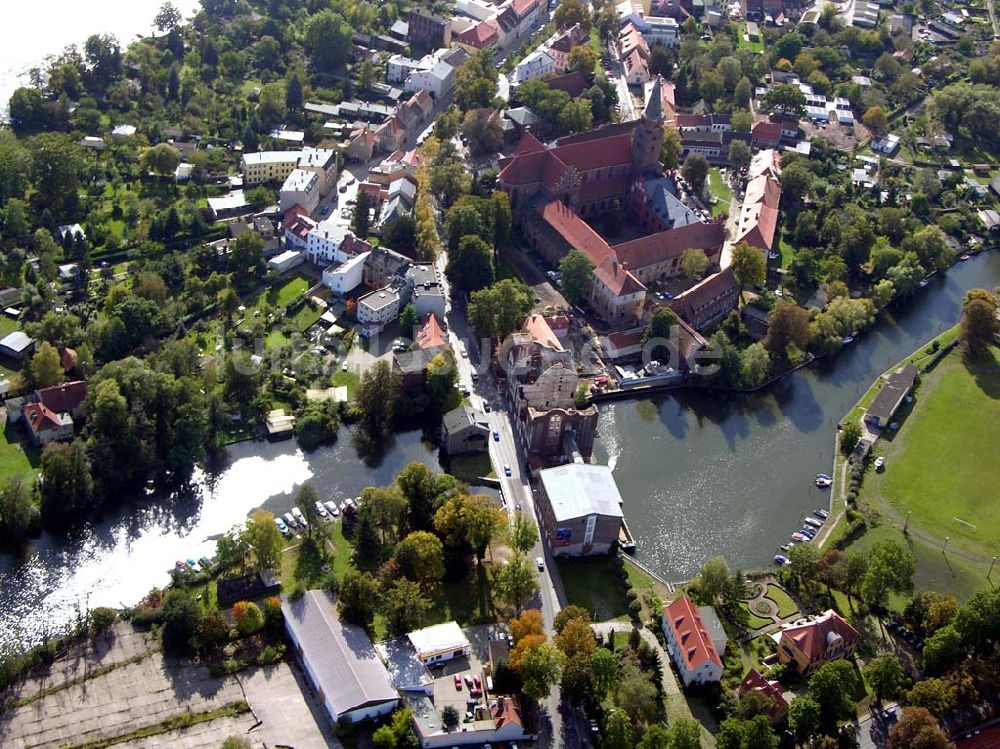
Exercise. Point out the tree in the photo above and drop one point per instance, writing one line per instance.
(470, 266)
(784, 98)
(930, 246)
(376, 393)
(918, 729)
(885, 676)
(749, 266)
(404, 607)
(832, 686)
(637, 695)
(161, 159)
(788, 325)
(167, 17)
(883, 293)
(483, 520)
(327, 40)
(713, 578)
(450, 718)
(357, 598)
(694, 262)
(743, 92)
(44, 368)
(695, 171)
(979, 322)
(294, 93)
(498, 310)
(516, 580)
(670, 151)
(67, 487)
(804, 717)
(540, 668)
(604, 668)
(755, 363)
(181, 617)
(943, 649)
(577, 272)
(661, 325)
(571, 12)
(890, 570)
(248, 618)
(19, 516)
(876, 120)
(401, 235)
(527, 624)
(739, 154)
(362, 219)
(306, 499)
(742, 122)
(618, 731)
(421, 557)
(57, 165)
(576, 638)
(582, 59)
(577, 685)
(804, 567)
(265, 541)
(476, 81)
(482, 129)
(935, 695)
(523, 534)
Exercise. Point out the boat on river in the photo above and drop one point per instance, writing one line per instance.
(823, 480)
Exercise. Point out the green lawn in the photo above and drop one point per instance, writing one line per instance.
(306, 317)
(276, 338)
(291, 289)
(786, 606)
(7, 325)
(469, 468)
(941, 465)
(754, 621)
(348, 379)
(742, 41)
(592, 583)
(14, 461)
(720, 190)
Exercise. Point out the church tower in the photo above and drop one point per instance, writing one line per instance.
(647, 134)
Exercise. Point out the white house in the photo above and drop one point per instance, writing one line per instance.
(536, 65)
(345, 277)
(377, 309)
(323, 161)
(437, 80)
(301, 187)
(323, 245)
(659, 30)
(285, 261)
(399, 67)
(690, 643)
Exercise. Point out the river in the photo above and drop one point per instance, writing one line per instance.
(705, 473)
(116, 560)
(30, 33)
(701, 473)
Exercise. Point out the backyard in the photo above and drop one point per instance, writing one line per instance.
(720, 190)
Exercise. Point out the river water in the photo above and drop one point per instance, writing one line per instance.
(701, 474)
(705, 473)
(115, 561)
(29, 32)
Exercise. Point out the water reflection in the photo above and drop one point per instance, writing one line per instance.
(116, 560)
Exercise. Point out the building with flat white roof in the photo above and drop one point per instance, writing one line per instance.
(301, 187)
(227, 206)
(285, 261)
(324, 242)
(439, 643)
(580, 509)
(377, 309)
(17, 345)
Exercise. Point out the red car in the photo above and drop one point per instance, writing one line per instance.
(479, 683)
(458, 682)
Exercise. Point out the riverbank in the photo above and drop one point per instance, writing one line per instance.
(933, 496)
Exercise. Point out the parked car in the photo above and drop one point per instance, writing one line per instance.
(496, 436)
(540, 563)
(458, 682)
(506, 471)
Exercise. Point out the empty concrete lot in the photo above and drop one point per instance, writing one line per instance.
(121, 684)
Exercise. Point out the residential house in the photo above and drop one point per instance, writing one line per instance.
(228, 206)
(45, 425)
(808, 645)
(766, 135)
(708, 301)
(426, 290)
(437, 80)
(362, 143)
(347, 276)
(465, 430)
(636, 69)
(536, 65)
(296, 226)
(268, 166)
(391, 134)
(580, 509)
(67, 397)
(377, 309)
(755, 682)
(301, 187)
(484, 35)
(338, 659)
(385, 266)
(561, 44)
(689, 644)
(573, 83)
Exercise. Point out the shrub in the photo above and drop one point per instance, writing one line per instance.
(146, 617)
(273, 618)
(101, 619)
(270, 654)
(635, 608)
(248, 617)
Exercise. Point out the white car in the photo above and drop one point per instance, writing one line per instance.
(879, 462)
(540, 563)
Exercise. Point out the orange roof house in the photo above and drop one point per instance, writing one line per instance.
(811, 643)
(754, 682)
(689, 643)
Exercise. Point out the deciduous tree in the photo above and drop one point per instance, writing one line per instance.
(918, 729)
(577, 272)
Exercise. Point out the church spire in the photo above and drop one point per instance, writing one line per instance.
(654, 100)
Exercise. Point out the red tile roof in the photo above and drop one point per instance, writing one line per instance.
(754, 682)
(758, 219)
(39, 418)
(522, 7)
(506, 711)
(573, 83)
(479, 36)
(768, 132)
(655, 248)
(575, 231)
(538, 328)
(432, 334)
(63, 398)
(687, 304)
(529, 164)
(811, 638)
(693, 640)
(68, 358)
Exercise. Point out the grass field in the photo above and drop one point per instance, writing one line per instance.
(591, 582)
(941, 465)
(786, 606)
(14, 461)
(348, 379)
(720, 190)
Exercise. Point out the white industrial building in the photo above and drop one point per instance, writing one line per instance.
(285, 261)
(580, 509)
(339, 660)
(439, 643)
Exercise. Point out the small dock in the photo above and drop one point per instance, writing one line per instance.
(625, 541)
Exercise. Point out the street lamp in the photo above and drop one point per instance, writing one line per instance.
(991, 568)
(946, 540)
(907, 523)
